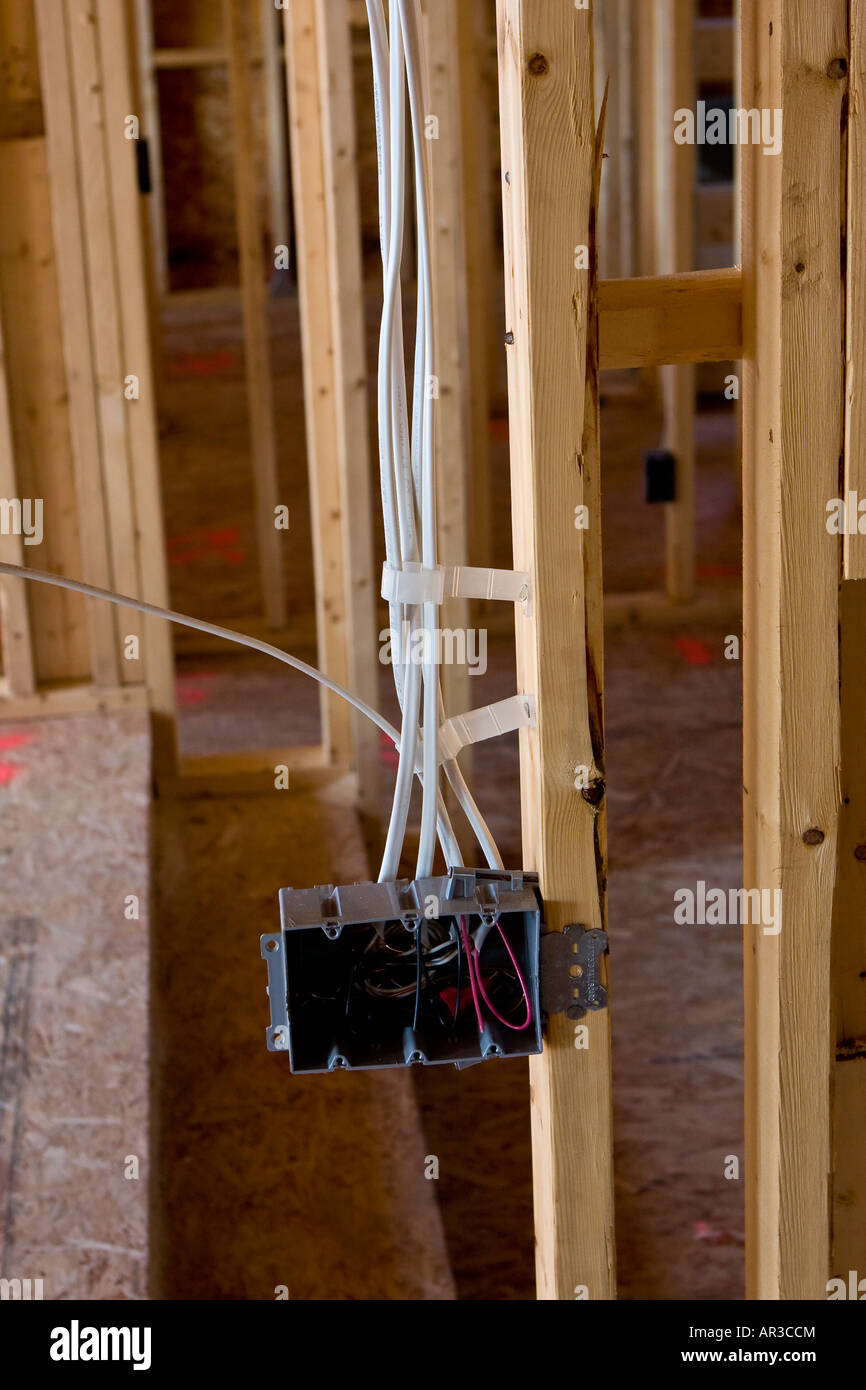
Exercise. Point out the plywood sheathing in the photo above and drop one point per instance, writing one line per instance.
(74, 983)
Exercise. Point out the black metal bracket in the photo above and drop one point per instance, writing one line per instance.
(571, 971)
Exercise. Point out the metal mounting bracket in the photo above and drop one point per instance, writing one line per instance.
(571, 970)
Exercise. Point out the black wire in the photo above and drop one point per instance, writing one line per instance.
(417, 977)
(459, 982)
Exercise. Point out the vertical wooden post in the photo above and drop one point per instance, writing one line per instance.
(278, 178)
(349, 365)
(548, 139)
(330, 287)
(104, 289)
(794, 59)
(116, 54)
(479, 242)
(16, 647)
(849, 961)
(675, 211)
(257, 350)
(72, 274)
(148, 83)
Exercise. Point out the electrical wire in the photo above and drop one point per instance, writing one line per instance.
(407, 493)
(406, 466)
(240, 639)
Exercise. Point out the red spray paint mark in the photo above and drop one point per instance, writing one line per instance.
(8, 773)
(193, 690)
(221, 363)
(222, 543)
(8, 741)
(696, 653)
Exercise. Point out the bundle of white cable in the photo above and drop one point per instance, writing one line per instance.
(407, 466)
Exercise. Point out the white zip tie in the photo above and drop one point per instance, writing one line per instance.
(517, 712)
(413, 585)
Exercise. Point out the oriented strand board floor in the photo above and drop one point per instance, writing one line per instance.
(314, 1183)
(74, 809)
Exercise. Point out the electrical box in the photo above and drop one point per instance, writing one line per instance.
(441, 969)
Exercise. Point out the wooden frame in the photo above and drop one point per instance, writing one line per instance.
(795, 59)
(97, 461)
(74, 315)
(548, 143)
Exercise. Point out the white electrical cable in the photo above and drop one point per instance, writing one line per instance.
(241, 639)
(399, 494)
(397, 509)
(407, 467)
(409, 27)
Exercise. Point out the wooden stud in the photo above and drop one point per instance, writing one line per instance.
(849, 991)
(275, 107)
(39, 403)
(854, 545)
(257, 353)
(152, 132)
(73, 284)
(141, 422)
(645, 23)
(676, 231)
(104, 292)
(332, 387)
(16, 646)
(794, 205)
(349, 364)
(479, 250)
(548, 140)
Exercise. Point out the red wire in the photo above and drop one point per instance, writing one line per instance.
(476, 981)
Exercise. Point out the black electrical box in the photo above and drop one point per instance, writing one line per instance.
(442, 969)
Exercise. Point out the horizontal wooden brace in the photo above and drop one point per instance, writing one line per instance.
(661, 319)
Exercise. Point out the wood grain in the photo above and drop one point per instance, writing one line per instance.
(792, 436)
(548, 139)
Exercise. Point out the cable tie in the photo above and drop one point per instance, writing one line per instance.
(412, 584)
(489, 721)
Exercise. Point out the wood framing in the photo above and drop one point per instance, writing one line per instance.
(693, 317)
(848, 1248)
(148, 83)
(321, 122)
(257, 349)
(474, 27)
(794, 59)
(675, 211)
(96, 216)
(548, 145)
(17, 651)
